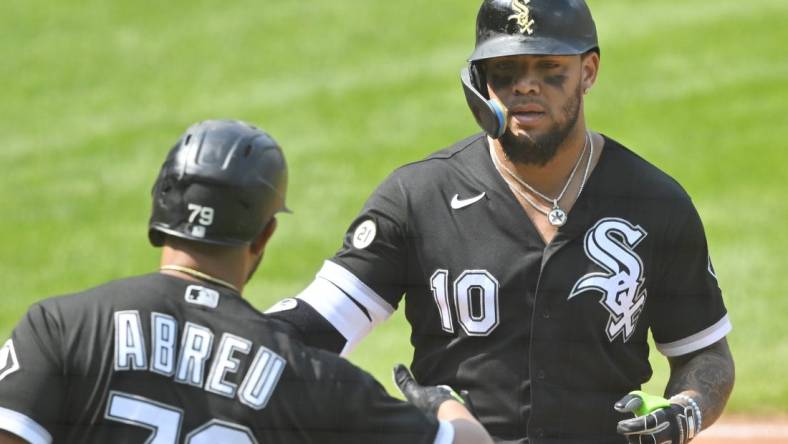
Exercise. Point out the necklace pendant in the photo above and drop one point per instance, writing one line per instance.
(557, 217)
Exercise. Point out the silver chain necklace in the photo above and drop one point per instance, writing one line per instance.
(566, 185)
(556, 216)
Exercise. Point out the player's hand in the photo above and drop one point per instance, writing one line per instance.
(656, 421)
(427, 398)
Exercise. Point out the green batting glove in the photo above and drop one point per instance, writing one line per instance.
(657, 420)
(427, 398)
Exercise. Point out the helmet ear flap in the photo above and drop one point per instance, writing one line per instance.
(478, 79)
(489, 114)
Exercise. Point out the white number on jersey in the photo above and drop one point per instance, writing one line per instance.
(165, 422)
(475, 298)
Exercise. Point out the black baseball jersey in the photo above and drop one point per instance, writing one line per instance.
(162, 360)
(545, 338)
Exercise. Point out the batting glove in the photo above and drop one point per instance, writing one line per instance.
(657, 420)
(427, 398)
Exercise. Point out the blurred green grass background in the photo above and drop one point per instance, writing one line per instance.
(95, 92)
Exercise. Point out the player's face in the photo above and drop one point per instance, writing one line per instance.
(543, 95)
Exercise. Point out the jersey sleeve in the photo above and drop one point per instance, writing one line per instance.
(689, 313)
(361, 286)
(375, 245)
(31, 378)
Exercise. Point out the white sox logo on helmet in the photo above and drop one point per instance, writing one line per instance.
(523, 16)
(610, 244)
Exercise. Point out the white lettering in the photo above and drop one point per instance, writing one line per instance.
(482, 317)
(186, 361)
(260, 381)
(224, 362)
(195, 350)
(129, 344)
(164, 329)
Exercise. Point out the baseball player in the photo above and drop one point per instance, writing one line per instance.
(178, 356)
(535, 257)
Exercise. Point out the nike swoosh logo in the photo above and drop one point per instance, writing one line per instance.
(457, 203)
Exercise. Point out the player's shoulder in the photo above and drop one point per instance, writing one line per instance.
(458, 149)
(95, 299)
(640, 175)
(449, 156)
(440, 165)
(108, 290)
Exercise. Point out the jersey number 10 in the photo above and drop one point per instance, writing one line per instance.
(475, 299)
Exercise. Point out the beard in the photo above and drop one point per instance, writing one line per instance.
(540, 149)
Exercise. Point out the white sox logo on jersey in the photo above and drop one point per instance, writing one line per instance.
(610, 244)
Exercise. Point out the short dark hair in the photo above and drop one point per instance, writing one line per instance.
(202, 248)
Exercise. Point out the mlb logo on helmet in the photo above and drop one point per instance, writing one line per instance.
(198, 231)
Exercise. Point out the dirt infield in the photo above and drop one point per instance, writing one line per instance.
(739, 430)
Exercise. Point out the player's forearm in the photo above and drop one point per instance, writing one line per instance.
(705, 376)
(467, 430)
(8, 438)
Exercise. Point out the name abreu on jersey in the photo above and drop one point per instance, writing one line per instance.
(182, 352)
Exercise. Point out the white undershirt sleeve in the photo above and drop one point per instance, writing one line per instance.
(445, 433)
(332, 294)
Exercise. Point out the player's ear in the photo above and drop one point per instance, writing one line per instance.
(259, 243)
(589, 66)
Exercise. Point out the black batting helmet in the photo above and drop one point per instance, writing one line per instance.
(221, 183)
(522, 27)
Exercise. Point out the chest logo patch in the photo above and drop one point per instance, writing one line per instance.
(610, 244)
(8, 360)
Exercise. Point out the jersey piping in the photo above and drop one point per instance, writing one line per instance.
(699, 340)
